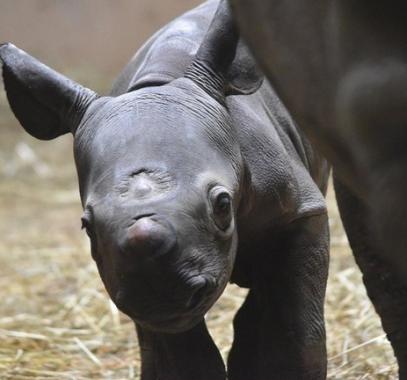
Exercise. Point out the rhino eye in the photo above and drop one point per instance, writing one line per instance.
(222, 208)
(86, 224)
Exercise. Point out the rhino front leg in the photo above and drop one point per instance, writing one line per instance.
(280, 331)
(183, 356)
(384, 289)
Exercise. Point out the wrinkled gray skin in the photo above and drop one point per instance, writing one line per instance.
(192, 174)
(341, 69)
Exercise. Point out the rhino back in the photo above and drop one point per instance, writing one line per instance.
(168, 53)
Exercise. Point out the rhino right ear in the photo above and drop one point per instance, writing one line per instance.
(46, 103)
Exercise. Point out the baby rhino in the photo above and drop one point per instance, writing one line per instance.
(193, 175)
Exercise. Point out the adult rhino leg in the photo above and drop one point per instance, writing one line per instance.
(183, 356)
(279, 330)
(371, 114)
(387, 294)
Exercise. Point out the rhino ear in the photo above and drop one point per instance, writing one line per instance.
(46, 103)
(244, 76)
(223, 62)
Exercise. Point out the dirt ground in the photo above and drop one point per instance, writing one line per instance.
(56, 321)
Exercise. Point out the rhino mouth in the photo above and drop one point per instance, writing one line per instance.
(169, 314)
(165, 321)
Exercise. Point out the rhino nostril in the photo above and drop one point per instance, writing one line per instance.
(201, 288)
(150, 237)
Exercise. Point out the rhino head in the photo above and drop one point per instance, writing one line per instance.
(160, 172)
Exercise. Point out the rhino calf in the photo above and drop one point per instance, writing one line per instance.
(192, 174)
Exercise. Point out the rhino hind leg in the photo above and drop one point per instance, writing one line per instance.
(279, 330)
(387, 294)
(182, 356)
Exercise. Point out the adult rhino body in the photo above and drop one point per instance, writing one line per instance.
(192, 174)
(340, 67)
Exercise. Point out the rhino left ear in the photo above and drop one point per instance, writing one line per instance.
(223, 63)
(46, 103)
(244, 76)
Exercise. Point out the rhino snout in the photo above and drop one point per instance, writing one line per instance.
(149, 238)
